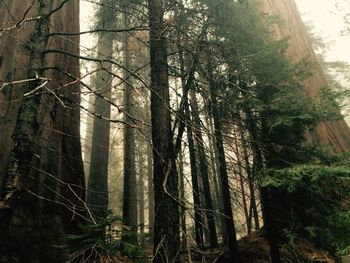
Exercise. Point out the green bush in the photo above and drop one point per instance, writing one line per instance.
(313, 202)
(100, 241)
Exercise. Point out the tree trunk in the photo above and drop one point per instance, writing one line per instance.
(87, 143)
(257, 147)
(141, 196)
(166, 229)
(41, 170)
(198, 217)
(150, 191)
(182, 199)
(97, 193)
(225, 188)
(333, 133)
(130, 198)
(216, 175)
(203, 165)
(253, 205)
(241, 181)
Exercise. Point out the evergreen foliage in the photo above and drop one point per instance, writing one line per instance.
(90, 246)
(313, 203)
(256, 82)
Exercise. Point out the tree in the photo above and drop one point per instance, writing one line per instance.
(42, 180)
(229, 223)
(166, 224)
(334, 133)
(129, 196)
(198, 216)
(97, 191)
(204, 173)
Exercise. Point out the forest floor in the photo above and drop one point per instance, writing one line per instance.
(254, 248)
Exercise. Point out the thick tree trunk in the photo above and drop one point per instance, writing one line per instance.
(333, 133)
(166, 227)
(41, 172)
(130, 184)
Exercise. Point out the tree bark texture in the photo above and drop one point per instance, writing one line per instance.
(166, 225)
(41, 170)
(130, 184)
(334, 133)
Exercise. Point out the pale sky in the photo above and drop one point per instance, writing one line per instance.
(328, 22)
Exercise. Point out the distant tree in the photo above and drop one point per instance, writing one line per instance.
(97, 190)
(130, 184)
(203, 170)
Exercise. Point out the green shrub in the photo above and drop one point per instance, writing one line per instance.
(313, 202)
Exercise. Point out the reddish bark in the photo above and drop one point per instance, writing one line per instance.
(334, 133)
(45, 199)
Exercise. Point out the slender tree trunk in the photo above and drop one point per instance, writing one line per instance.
(203, 164)
(88, 136)
(250, 179)
(182, 199)
(241, 182)
(130, 184)
(184, 244)
(166, 230)
(264, 192)
(141, 196)
(270, 225)
(198, 216)
(150, 188)
(150, 191)
(97, 193)
(225, 187)
(216, 175)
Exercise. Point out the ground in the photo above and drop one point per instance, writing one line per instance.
(254, 248)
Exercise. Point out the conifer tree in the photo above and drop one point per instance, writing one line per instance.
(166, 225)
(97, 191)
